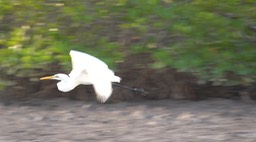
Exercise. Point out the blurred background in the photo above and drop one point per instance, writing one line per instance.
(172, 48)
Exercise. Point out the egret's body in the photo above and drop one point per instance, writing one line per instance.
(87, 70)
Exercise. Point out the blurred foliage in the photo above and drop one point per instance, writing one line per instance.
(213, 40)
(218, 40)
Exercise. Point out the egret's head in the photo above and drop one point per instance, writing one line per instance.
(58, 76)
(64, 84)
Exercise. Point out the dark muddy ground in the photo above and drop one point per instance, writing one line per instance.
(65, 120)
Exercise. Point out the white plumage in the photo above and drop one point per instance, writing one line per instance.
(87, 70)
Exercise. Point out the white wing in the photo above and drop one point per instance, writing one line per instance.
(84, 66)
(90, 70)
(83, 61)
(103, 90)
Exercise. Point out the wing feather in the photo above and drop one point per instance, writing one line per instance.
(88, 69)
(83, 61)
(84, 66)
(103, 90)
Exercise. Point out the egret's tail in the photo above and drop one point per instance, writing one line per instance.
(116, 79)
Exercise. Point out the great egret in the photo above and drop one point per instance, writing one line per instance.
(89, 70)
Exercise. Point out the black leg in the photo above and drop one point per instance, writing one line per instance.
(135, 90)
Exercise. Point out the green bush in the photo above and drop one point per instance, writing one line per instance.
(213, 40)
(39, 33)
(216, 43)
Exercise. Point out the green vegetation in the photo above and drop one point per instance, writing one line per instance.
(214, 40)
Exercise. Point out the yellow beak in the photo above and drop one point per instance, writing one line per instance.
(46, 78)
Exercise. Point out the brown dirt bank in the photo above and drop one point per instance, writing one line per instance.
(161, 84)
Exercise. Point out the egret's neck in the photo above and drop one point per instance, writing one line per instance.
(66, 84)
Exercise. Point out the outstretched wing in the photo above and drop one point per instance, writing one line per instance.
(84, 66)
(84, 61)
(103, 89)
(88, 69)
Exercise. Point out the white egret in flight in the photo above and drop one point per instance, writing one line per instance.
(89, 70)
